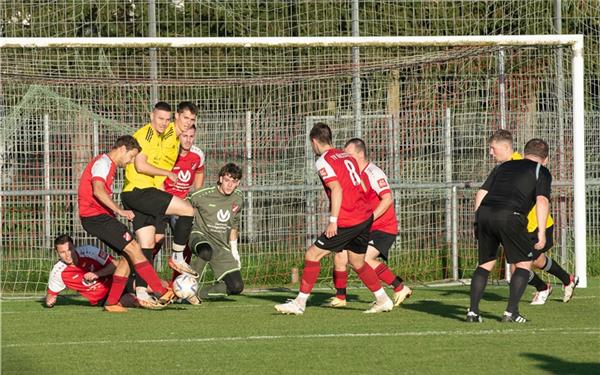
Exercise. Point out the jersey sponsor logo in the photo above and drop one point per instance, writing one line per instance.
(323, 172)
(382, 183)
(223, 216)
(184, 176)
(235, 208)
(127, 236)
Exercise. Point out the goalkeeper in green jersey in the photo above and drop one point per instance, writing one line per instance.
(215, 232)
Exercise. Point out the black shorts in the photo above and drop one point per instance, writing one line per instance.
(149, 206)
(549, 241)
(383, 242)
(495, 227)
(109, 230)
(355, 239)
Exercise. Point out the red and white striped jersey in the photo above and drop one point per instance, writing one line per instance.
(101, 168)
(377, 188)
(336, 165)
(70, 276)
(185, 168)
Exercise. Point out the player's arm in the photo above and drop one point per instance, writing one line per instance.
(384, 204)
(336, 205)
(198, 179)
(542, 210)
(479, 197)
(102, 195)
(107, 270)
(142, 166)
(233, 237)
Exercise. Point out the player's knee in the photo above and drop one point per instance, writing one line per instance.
(204, 251)
(235, 287)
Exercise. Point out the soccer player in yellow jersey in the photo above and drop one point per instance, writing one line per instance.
(144, 179)
(501, 149)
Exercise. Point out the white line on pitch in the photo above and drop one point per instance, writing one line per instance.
(586, 330)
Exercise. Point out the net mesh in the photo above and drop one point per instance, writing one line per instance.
(426, 115)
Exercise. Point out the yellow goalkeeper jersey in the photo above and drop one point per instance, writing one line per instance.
(161, 151)
(532, 223)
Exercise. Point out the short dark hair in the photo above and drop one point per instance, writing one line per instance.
(62, 239)
(162, 106)
(537, 147)
(129, 142)
(358, 143)
(322, 133)
(501, 135)
(187, 106)
(231, 169)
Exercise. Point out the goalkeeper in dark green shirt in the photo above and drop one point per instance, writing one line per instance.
(215, 232)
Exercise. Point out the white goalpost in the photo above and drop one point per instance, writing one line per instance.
(422, 109)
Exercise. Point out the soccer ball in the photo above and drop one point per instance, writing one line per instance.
(185, 286)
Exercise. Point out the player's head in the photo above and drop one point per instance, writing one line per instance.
(64, 246)
(356, 148)
(501, 148)
(185, 116)
(538, 149)
(160, 116)
(229, 178)
(320, 137)
(186, 139)
(125, 150)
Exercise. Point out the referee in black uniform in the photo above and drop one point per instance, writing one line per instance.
(516, 186)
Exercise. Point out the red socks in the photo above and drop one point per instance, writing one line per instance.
(147, 272)
(309, 276)
(368, 277)
(116, 290)
(340, 282)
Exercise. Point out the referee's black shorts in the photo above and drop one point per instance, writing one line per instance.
(149, 206)
(355, 238)
(506, 227)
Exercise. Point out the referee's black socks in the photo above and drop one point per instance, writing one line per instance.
(181, 232)
(478, 284)
(518, 283)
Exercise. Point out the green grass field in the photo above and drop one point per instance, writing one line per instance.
(427, 335)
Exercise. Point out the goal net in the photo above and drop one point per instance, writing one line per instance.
(425, 111)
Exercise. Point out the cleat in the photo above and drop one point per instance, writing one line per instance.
(540, 297)
(335, 302)
(194, 300)
(118, 308)
(510, 318)
(473, 317)
(168, 297)
(183, 267)
(401, 295)
(291, 307)
(151, 304)
(378, 307)
(569, 290)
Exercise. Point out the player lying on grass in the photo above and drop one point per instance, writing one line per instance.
(217, 213)
(501, 149)
(86, 270)
(350, 220)
(383, 231)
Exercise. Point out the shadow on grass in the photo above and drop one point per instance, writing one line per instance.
(554, 365)
(444, 310)
(317, 299)
(466, 292)
(68, 300)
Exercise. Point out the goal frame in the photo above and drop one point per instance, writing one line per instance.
(577, 67)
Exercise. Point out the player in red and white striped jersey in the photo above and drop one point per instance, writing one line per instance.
(349, 223)
(383, 231)
(86, 270)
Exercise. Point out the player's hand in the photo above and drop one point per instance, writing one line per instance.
(90, 276)
(331, 230)
(541, 241)
(173, 177)
(126, 214)
(50, 300)
(236, 256)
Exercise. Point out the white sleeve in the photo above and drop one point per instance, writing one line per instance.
(94, 253)
(200, 154)
(324, 169)
(377, 179)
(101, 167)
(55, 281)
